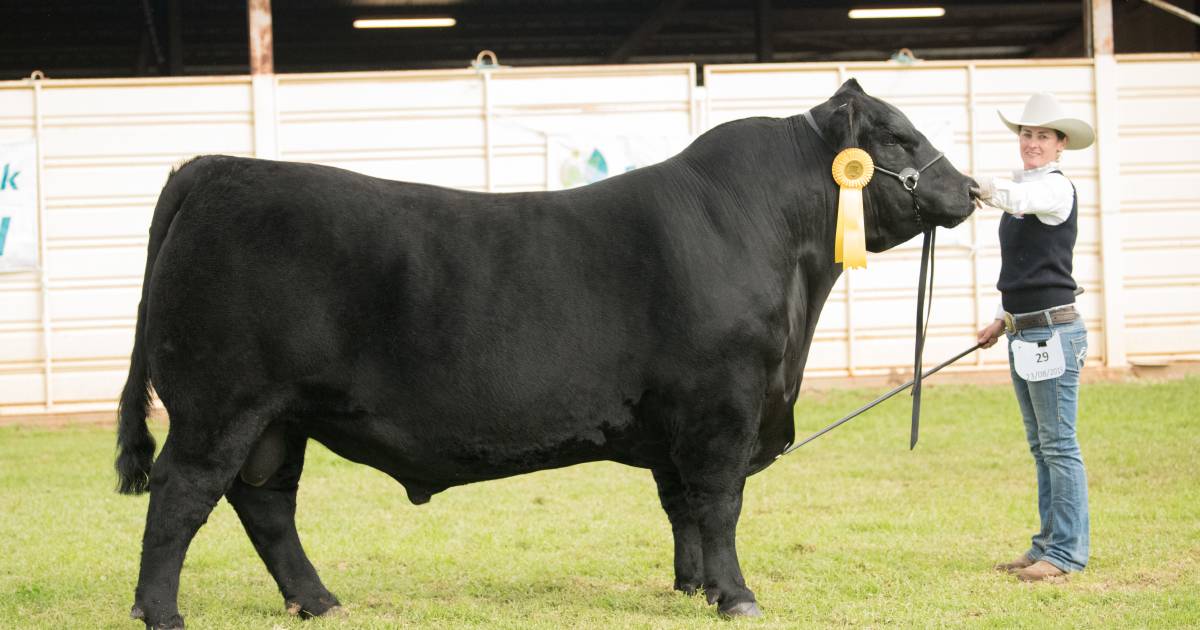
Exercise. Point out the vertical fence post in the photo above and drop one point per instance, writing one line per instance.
(851, 368)
(265, 116)
(484, 63)
(1104, 74)
(488, 151)
(43, 272)
(694, 95)
(973, 169)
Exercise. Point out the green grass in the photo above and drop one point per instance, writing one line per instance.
(853, 530)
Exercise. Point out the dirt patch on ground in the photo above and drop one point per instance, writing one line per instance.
(72, 419)
(1173, 572)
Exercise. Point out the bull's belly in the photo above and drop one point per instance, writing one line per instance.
(430, 443)
(431, 457)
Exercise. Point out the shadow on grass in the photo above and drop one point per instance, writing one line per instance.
(551, 602)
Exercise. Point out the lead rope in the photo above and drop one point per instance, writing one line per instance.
(927, 263)
(924, 284)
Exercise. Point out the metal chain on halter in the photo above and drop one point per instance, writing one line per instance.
(909, 178)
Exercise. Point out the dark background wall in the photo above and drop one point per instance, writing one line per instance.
(94, 38)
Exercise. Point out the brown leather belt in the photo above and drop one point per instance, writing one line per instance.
(1056, 315)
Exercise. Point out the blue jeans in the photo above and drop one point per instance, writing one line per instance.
(1049, 409)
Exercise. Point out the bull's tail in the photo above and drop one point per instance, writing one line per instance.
(135, 444)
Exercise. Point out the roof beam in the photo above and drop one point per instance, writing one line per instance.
(1078, 40)
(646, 30)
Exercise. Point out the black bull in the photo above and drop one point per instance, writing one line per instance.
(661, 319)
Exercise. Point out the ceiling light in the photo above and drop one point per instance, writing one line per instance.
(428, 22)
(916, 12)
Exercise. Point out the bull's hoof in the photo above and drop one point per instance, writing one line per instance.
(318, 607)
(175, 622)
(744, 609)
(687, 588)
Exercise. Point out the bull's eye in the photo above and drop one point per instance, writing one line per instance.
(890, 141)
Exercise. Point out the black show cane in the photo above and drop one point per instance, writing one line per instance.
(882, 398)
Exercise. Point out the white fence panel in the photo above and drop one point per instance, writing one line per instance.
(530, 106)
(1159, 110)
(107, 146)
(438, 127)
(421, 126)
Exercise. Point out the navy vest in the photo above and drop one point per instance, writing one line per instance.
(1036, 261)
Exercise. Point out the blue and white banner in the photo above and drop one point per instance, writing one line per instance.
(18, 206)
(578, 160)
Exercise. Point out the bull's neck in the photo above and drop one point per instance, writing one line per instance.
(769, 178)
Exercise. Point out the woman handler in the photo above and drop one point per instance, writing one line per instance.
(1047, 338)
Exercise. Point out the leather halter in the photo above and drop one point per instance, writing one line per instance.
(909, 178)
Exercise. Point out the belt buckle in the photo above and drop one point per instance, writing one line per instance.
(1010, 326)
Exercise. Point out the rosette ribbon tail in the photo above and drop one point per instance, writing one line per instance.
(850, 245)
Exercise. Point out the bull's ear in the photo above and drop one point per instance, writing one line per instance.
(851, 86)
(834, 115)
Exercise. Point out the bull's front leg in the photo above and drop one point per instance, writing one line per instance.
(718, 509)
(712, 464)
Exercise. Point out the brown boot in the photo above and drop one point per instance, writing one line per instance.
(1038, 571)
(1015, 565)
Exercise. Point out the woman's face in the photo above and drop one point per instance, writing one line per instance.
(1040, 146)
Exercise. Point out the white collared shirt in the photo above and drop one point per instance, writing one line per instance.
(1046, 195)
(1037, 191)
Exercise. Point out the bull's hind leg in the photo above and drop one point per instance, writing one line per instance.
(268, 512)
(194, 469)
(689, 557)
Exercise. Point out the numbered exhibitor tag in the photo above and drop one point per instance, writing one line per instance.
(1038, 361)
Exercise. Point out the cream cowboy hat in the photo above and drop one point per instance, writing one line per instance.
(1043, 110)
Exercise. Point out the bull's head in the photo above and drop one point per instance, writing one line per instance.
(921, 190)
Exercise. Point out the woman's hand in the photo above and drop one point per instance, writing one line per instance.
(989, 334)
(984, 192)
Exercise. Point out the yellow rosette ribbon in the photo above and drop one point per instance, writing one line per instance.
(852, 170)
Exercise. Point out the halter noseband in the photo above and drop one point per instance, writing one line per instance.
(910, 176)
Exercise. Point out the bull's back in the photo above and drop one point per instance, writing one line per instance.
(516, 315)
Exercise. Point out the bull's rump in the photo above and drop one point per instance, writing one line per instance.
(474, 326)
